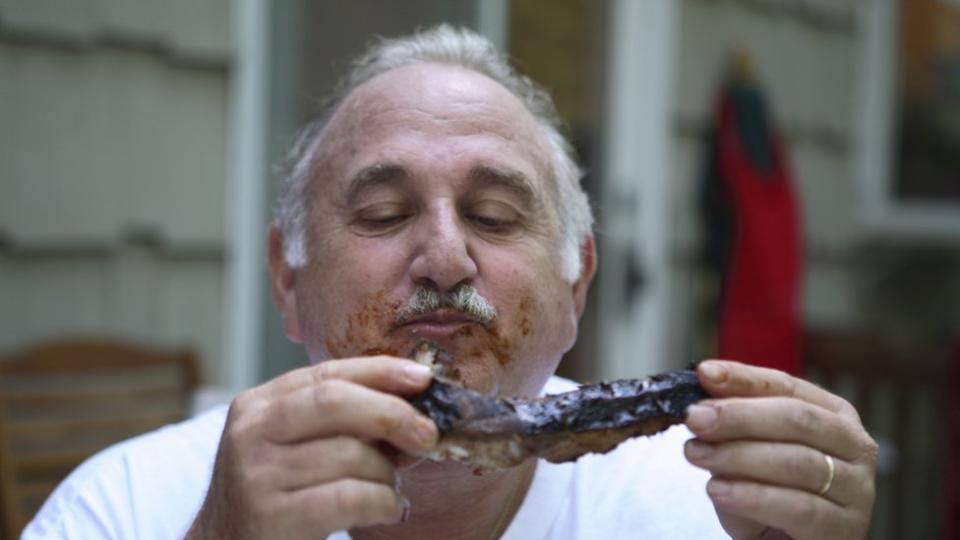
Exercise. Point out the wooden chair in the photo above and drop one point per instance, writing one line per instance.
(62, 402)
(901, 393)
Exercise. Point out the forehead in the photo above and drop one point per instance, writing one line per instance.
(435, 111)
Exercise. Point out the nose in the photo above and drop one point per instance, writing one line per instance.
(443, 256)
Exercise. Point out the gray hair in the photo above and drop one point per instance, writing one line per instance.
(464, 299)
(460, 47)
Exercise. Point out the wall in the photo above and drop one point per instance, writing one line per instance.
(808, 55)
(808, 67)
(112, 170)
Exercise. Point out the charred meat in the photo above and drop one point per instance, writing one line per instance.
(490, 433)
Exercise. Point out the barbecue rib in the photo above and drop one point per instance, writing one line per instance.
(490, 433)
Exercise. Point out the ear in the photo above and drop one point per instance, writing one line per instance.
(282, 278)
(588, 267)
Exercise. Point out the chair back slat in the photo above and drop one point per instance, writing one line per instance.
(60, 403)
(899, 392)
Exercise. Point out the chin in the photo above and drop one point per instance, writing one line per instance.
(474, 373)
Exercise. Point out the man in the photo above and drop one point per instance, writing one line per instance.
(437, 200)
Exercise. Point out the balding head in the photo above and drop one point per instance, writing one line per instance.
(448, 46)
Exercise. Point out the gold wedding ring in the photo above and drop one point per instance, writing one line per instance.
(830, 471)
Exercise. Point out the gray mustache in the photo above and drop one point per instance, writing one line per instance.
(464, 299)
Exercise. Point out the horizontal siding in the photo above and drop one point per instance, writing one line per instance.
(809, 72)
(104, 141)
(113, 152)
(178, 28)
(130, 295)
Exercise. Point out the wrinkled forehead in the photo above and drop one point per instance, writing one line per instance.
(432, 98)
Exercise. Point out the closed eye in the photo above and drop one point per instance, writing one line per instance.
(382, 217)
(491, 223)
(383, 221)
(494, 217)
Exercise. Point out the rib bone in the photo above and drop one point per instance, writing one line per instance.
(491, 433)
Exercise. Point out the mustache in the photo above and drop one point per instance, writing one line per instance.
(463, 299)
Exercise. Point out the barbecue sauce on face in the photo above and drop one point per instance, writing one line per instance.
(368, 330)
(364, 331)
(491, 340)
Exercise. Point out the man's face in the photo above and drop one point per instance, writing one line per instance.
(434, 177)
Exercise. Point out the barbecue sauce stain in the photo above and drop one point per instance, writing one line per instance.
(380, 351)
(492, 341)
(523, 309)
(364, 333)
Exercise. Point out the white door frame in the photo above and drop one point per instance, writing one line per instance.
(493, 21)
(635, 194)
(246, 189)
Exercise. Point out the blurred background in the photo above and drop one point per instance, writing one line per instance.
(140, 143)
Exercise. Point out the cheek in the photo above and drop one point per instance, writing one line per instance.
(360, 330)
(550, 319)
(531, 342)
(539, 307)
(346, 313)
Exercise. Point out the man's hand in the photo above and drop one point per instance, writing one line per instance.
(300, 455)
(765, 440)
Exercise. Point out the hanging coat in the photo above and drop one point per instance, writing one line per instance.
(753, 235)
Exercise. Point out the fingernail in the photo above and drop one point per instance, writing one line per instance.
(416, 373)
(713, 372)
(718, 488)
(697, 449)
(701, 417)
(404, 509)
(426, 432)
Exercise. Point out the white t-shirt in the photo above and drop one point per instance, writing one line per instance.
(152, 486)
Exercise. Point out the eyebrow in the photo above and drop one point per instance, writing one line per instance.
(373, 176)
(380, 174)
